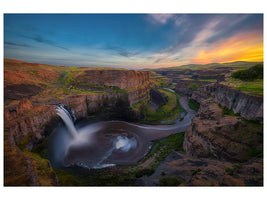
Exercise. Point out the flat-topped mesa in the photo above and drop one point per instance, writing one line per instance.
(247, 105)
(124, 79)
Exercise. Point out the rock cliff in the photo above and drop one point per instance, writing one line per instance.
(26, 120)
(187, 87)
(124, 79)
(248, 106)
(219, 136)
(28, 117)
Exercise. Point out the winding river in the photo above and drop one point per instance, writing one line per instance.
(110, 143)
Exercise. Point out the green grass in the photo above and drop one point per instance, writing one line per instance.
(166, 112)
(138, 105)
(163, 147)
(250, 74)
(249, 81)
(255, 87)
(160, 150)
(229, 112)
(231, 170)
(159, 80)
(194, 86)
(66, 179)
(194, 105)
(34, 71)
(106, 177)
(169, 181)
(196, 171)
(143, 172)
(251, 87)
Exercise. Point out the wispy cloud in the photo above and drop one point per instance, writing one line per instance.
(192, 44)
(180, 20)
(121, 51)
(158, 60)
(17, 44)
(159, 18)
(151, 40)
(41, 39)
(243, 46)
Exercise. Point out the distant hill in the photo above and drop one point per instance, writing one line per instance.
(236, 64)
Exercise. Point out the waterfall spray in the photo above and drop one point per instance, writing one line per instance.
(65, 116)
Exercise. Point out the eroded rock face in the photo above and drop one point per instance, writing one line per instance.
(249, 106)
(22, 169)
(24, 105)
(124, 79)
(26, 120)
(212, 135)
(187, 87)
(20, 91)
(157, 97)
(207, 172)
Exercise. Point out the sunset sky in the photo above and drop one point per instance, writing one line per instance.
(133, 40)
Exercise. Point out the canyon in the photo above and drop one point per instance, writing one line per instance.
(222, 145)
(29, 117)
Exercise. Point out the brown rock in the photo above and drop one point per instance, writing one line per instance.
(249, 106)
(24, 105)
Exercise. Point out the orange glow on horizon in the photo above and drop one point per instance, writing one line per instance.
(241, 47)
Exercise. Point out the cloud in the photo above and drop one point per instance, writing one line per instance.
(17, 44)
(160, 18)
(190, 42)
(242, 46)
(40, 39)
(180, 20)
(121, 51)
(193, 43)
(158, 60)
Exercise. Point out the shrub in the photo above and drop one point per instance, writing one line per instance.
(143, 172)
(226, 111)
(196, 171)
(194, 86)
(169, 181)
(194, 105)
(255, 72)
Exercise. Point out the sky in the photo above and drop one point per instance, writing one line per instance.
(133, 40)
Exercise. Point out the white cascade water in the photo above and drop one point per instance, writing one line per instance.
(65, 116)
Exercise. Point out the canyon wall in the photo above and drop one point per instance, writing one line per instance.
(248, 106)
(27, 121)
(187, 87)
(124, 79)
(28, 117)
(215, 133)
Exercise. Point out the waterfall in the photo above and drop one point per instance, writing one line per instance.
(65, 116)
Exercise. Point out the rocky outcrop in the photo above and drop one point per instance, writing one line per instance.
(157, 98)
(27, 120)
(19, 91)
(187, 87)
(124, 79)
(30, 123)
(249, 106)
(23, 169)
(213, 135)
